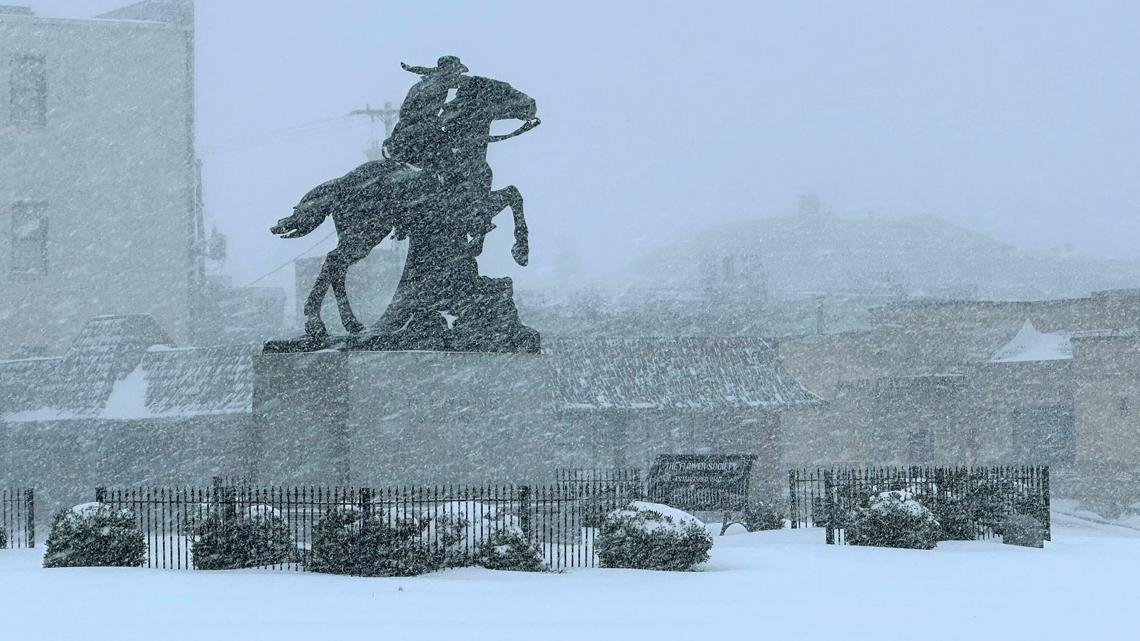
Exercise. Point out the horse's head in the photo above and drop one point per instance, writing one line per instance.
(482, 101)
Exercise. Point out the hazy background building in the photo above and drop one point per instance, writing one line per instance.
(99, 197)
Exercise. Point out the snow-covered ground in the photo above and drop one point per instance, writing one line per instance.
(778, 585)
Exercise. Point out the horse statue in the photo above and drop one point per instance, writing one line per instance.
(445, 208)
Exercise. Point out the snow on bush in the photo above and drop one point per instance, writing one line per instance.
(465, 533)
(3, 538)
(763, 515)
(651, 536)
(508, 549)
(94, 535)
(893, 519)
(345, 541)
(256, 537)
(1023, 530)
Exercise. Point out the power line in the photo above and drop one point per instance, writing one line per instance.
(259, 141)
(290, 262)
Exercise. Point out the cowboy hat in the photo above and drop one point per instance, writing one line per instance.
(446, 64)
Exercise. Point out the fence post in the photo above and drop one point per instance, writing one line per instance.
(30, 509)
(793, 511)
(226, 496)
(1045, 490)
(366, 506)
(524, 511)
(829, 505)
(100, 495)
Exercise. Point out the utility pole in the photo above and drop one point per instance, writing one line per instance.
(387, 115)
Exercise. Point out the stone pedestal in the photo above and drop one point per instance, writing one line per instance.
(401, 417)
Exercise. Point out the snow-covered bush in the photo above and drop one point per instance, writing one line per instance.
(651, 536)
(466, 533)
(253, 538)
(347, 542)
(1023, 530)
(3, 538)
(893, 519)
(763, 515)
(508, 549)
(94, 535)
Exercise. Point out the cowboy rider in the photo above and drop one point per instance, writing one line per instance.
(418, 134)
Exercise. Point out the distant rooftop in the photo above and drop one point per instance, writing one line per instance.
(670, 373)
(125, 367)
(1031, 345)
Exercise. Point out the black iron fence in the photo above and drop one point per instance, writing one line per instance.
(18, 517)
(559, 520)
(826, 497)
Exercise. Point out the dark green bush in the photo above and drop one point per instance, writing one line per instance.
(955, 517)
(1023, 530)
(508, 549)
(467, 533)
(996, 499)
(345, 542)
(94, 535)
(893, 519)
(763, 515)
(650, 536)
(255, 538)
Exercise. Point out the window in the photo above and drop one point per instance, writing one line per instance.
(29, 90)
(29, 237)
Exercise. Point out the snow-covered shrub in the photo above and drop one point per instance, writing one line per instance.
(763, 515)
(508, 549)
(893, 519)
(253, 538)
(347, 542)
(1023, 530)
(94, 535)
(651, 536)
(466, 533)
(3, 538)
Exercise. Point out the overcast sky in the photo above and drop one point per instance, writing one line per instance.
(1017, 118)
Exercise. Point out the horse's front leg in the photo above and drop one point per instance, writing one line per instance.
(314, 326)
(510, 196)
(341, 259)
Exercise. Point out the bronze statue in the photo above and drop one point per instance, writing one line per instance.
(433, 188)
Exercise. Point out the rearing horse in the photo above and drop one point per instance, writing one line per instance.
(383, 197)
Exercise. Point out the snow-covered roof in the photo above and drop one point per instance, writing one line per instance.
(123, 367)
(1031, 345)
(659, 373)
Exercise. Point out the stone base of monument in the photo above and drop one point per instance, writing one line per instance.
(401, 417)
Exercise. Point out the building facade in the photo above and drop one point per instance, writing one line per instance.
(100, 207)
(1052, 382)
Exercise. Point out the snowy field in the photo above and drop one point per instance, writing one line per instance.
(779, 585)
